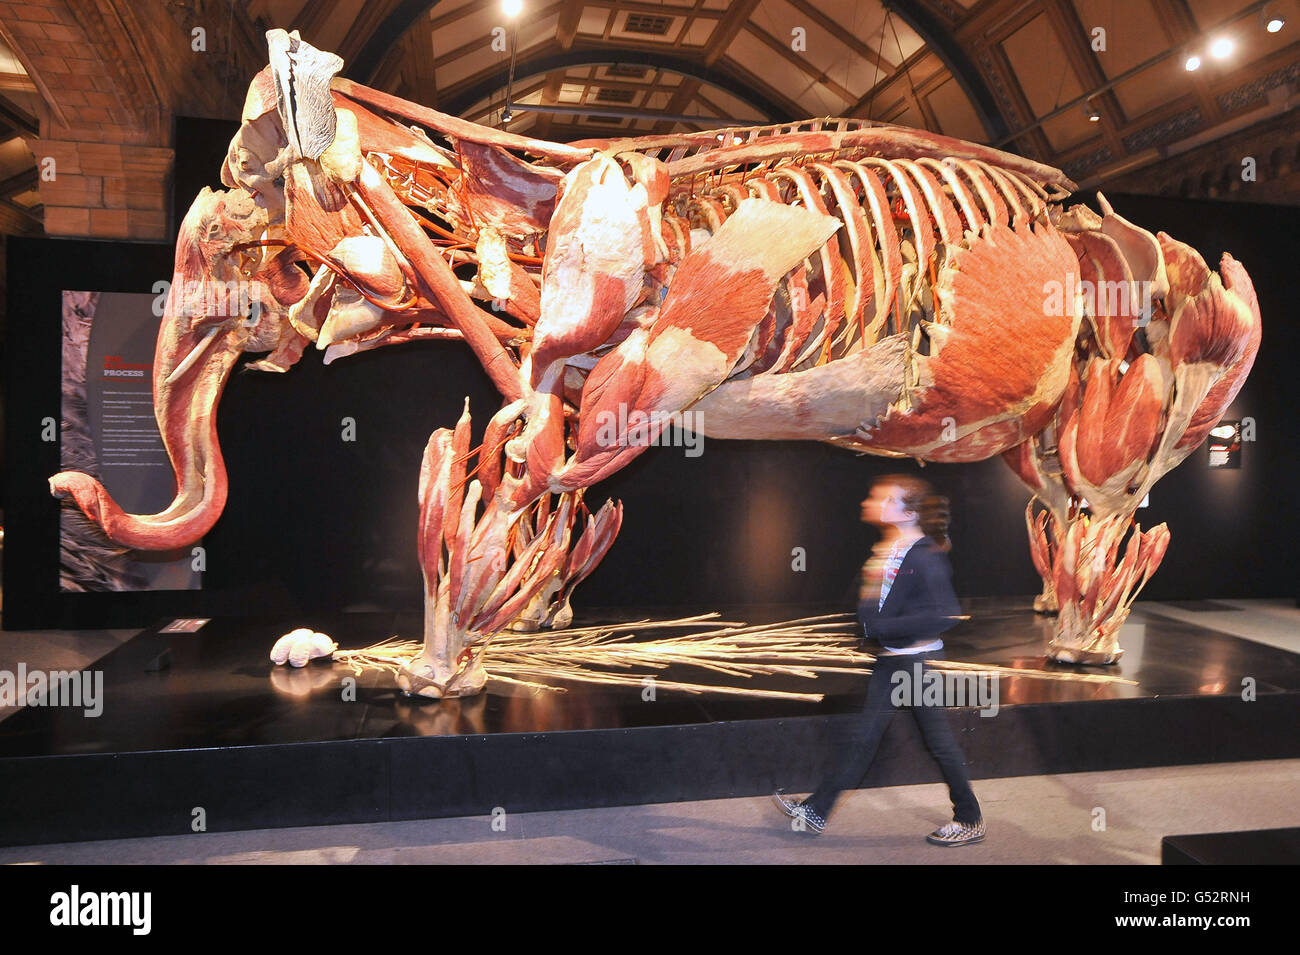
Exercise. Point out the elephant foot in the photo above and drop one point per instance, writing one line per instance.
(1076, 655)
(561, 616)
(1045, 606)
(420, 678)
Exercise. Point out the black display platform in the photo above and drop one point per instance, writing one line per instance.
(255, 746)
(1252, 847)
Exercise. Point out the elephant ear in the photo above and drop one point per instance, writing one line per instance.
(302, 92)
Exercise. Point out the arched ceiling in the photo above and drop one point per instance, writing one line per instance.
(1024, 74)
(761, 60)
(1020, 74)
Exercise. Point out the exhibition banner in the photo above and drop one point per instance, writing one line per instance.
(109, 432)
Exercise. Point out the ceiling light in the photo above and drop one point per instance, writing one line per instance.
(1193, 63)
(1092, 114)
(1221, 47)
(512, 8)
(1274, 23)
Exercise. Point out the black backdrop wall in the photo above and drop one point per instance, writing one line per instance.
(317, 523)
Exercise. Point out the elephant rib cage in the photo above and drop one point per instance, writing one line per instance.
(875, 277)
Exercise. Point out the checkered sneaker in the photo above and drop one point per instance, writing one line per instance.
(797, 810)
(957, 834)
(810, 818)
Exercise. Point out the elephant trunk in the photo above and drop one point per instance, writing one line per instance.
(195, 354)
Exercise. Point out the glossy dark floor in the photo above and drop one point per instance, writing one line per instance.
(219, 688)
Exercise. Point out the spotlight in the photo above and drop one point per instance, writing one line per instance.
(1092, 114)
(512, 8)
(1221, 47)
(1193, 63)
(1272, 20)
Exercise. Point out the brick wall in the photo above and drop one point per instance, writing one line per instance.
(112, 74)
(104, 190)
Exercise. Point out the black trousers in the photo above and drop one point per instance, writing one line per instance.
(854, 742)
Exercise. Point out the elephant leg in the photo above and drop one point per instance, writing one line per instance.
(486, 558)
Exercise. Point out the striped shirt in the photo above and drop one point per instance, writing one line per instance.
(892, 563)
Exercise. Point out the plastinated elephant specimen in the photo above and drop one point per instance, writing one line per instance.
(884, 289)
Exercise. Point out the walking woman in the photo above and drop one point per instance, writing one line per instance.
(906, 600)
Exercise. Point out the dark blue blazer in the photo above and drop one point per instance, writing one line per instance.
(920, 601)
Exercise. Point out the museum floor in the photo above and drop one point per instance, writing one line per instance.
(1046, 817)
(1031, 819)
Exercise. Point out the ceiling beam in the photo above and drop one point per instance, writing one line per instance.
(1064, 21)
(368, 19)
(17, 119)
(18, 82)
(842, 34)
(420, 72)
(400, 18)
(15, 220)
(311, 19)
(900, 72)
(936, 34)
(938, 37)
(550, 96)
(31, 215)
(728, 29)
(570, 17)
(1181, 27)
(19, 183)
(724, 77)
(800, 63)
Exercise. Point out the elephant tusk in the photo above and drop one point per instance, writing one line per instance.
(193, 356)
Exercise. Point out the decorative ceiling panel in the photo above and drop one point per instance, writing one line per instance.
(1152, 88)
(1133, 32)
(1041, 66)
(647, 27)
(954, 112)
(699, 32)
(1069, 130)
(794, 81)
(593, 21)
(820, 50)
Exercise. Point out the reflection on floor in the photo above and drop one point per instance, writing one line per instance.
(219, 689)
(56, 650)
(1275, 623)
(1031, 819)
